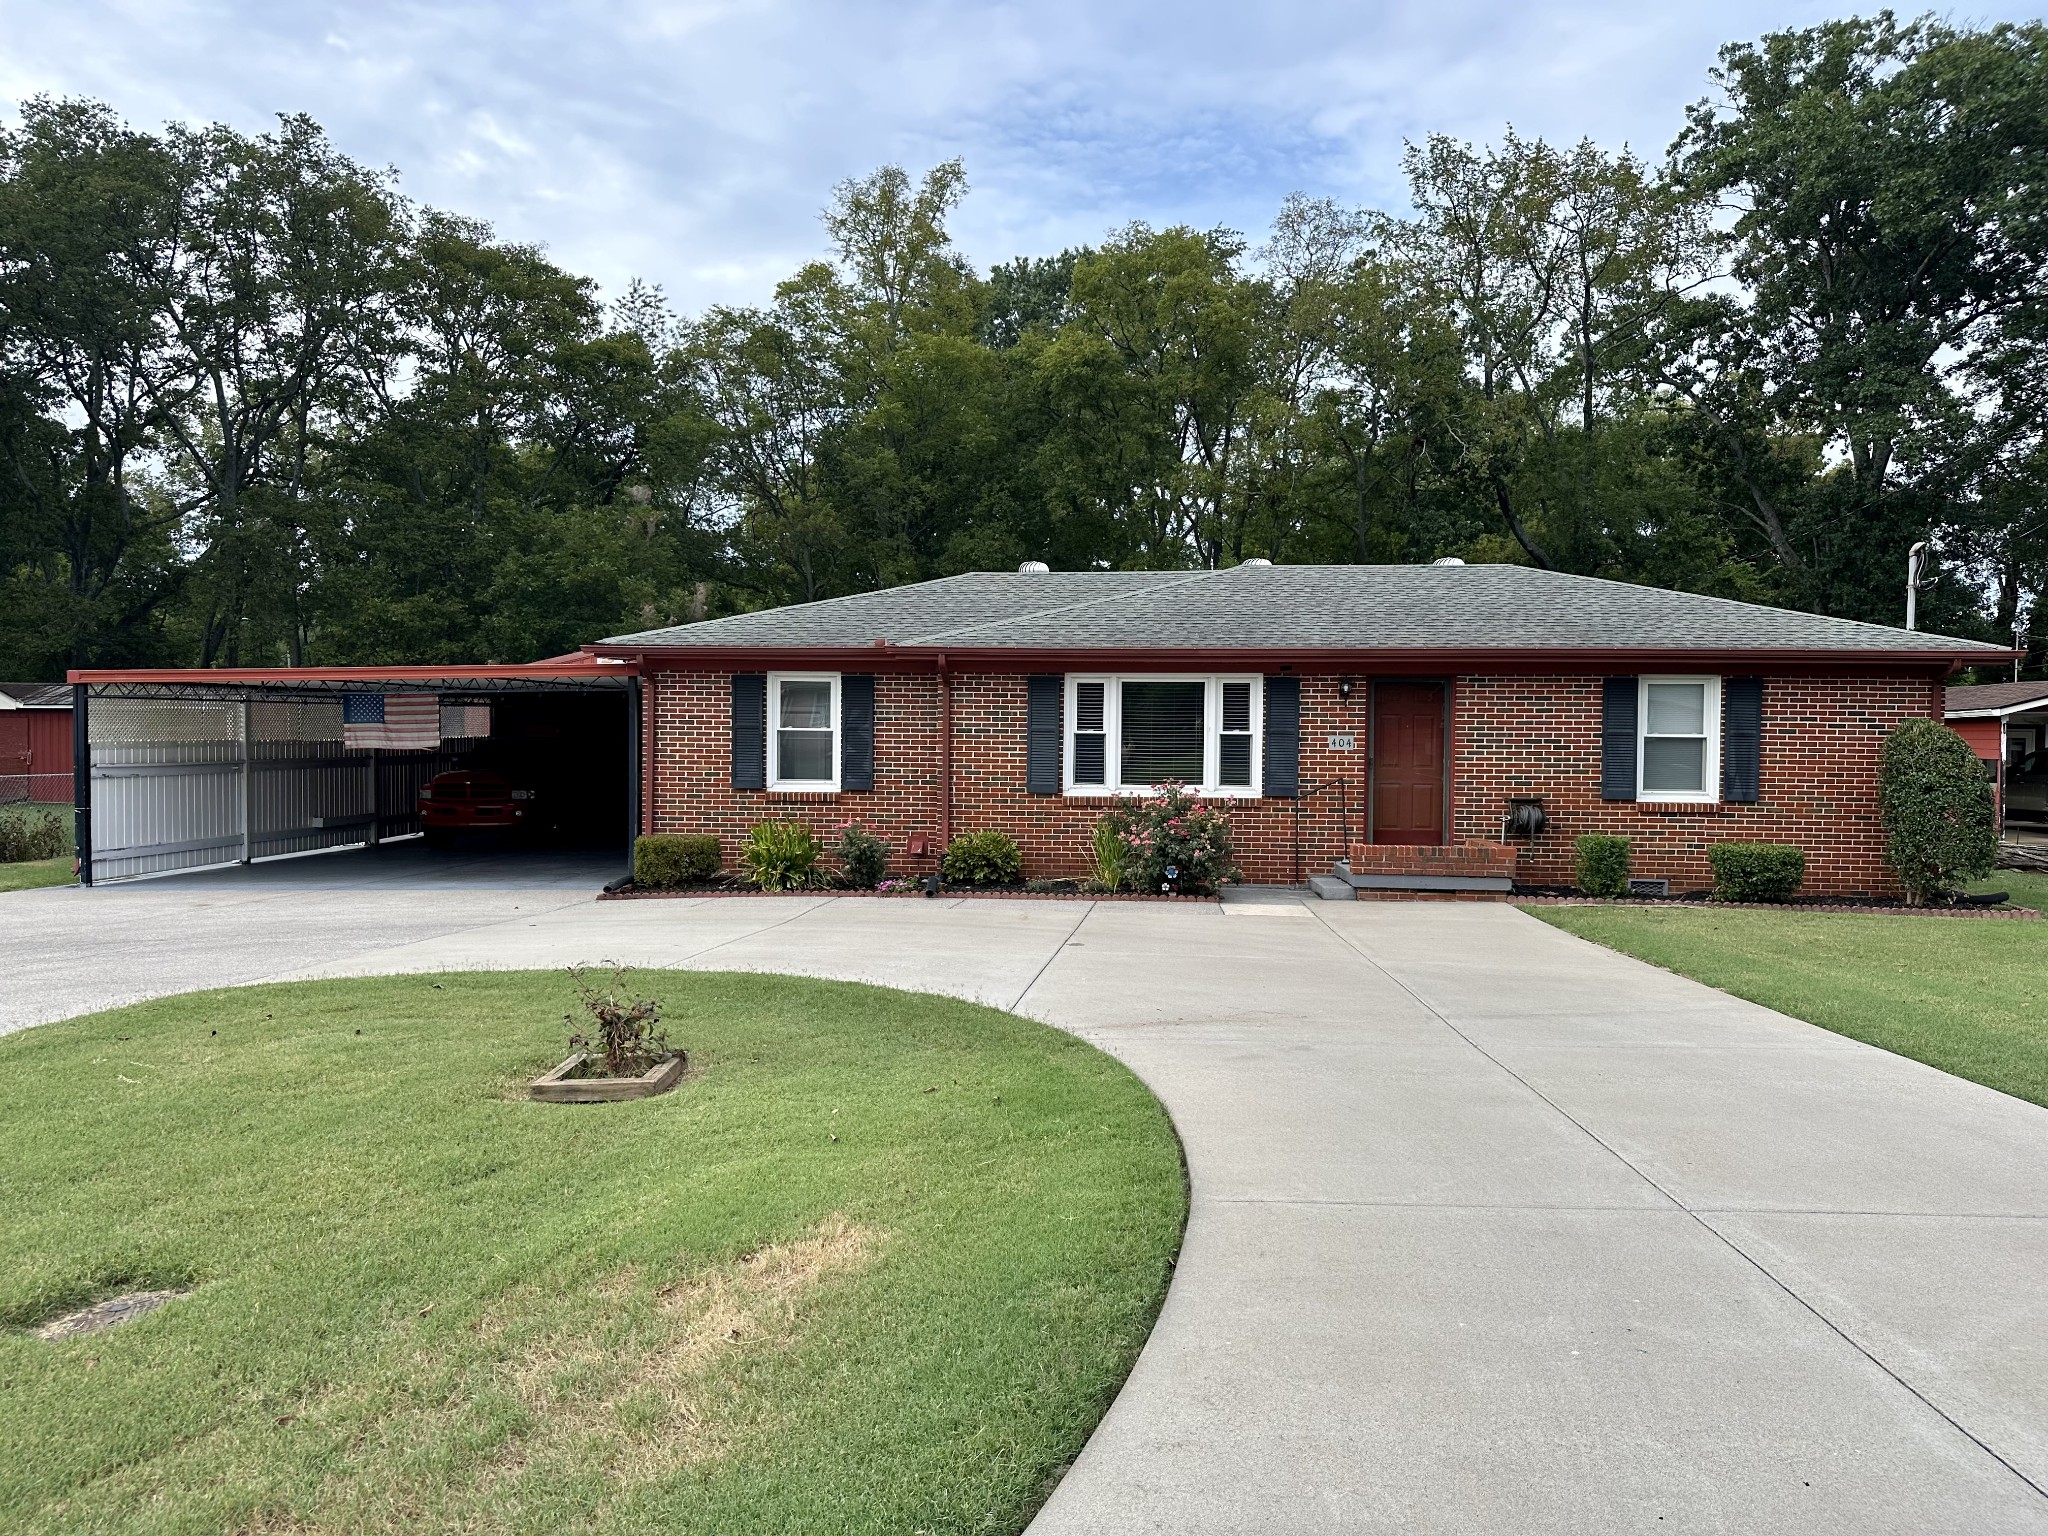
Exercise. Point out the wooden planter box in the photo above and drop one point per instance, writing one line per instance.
(558, 1087)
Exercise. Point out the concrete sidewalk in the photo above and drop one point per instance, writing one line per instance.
(1492, 1230)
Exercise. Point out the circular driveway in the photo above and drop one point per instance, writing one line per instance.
(1492, 1229)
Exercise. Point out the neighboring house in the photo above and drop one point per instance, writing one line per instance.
(35, 742)
(1377, 711)
(2006, 724)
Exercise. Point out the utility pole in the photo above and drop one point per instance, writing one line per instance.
(1916, 563)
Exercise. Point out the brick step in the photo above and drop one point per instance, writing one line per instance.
(1456, 868)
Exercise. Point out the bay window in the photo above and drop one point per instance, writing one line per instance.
(1127, 734)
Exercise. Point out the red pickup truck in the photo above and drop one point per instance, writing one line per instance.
(468, 800)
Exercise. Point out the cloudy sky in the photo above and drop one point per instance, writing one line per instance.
(691, 142)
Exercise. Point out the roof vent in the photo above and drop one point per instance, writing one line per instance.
(1033, 568)
(1448, 560)
(1255, 560)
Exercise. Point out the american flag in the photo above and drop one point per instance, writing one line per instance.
(460, 722)
(395, 721)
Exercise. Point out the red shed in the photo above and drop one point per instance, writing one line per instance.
(35, 743)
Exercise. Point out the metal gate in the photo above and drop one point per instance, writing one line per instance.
(186, 783)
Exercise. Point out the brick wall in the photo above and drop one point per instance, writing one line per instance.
(1510, 736)
(1818, 780)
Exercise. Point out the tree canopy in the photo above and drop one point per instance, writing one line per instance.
(257, 407)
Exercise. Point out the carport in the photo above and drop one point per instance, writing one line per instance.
(177, 771)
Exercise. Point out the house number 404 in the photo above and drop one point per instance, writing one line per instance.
(1343, 743)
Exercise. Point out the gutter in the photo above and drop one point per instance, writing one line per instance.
(1419, 662)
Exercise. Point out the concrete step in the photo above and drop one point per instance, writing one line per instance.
(1332, 888)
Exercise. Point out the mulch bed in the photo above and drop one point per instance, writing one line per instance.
(1851, 905)
(948, 893)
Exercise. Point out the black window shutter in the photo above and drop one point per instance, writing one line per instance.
(750, 730)
(1282, 779)
(1042, 734)
(1742, 738)
(1618, 738)
(856, 731)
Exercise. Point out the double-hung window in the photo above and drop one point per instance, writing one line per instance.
(1678, 738)
(803, 731)
(1127, 734)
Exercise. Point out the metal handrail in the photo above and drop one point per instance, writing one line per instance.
(1343, 788)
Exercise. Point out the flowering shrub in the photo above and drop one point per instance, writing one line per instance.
(863, 857)
(1177, 843)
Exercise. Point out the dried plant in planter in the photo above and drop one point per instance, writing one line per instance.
(622, 1035)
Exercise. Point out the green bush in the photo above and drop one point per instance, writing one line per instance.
(1603, 864)
(782, 856)
(863, 857)
(1756, 871)
(1935, 801)
(30, 835)
(1175, 843)
(983, 858)
(663, 860)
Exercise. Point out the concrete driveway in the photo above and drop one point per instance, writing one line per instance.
(1492, 1231)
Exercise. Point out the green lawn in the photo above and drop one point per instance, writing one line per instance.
(878, 1266)
(2025, 888)
(36, 872)
(1966, 995)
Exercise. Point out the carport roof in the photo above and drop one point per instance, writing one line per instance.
(1984, 700)
(577, 670)
(1411, 609)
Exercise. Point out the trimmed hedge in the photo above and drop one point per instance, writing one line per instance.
(983, 858)
(1756, 871)
(1934, 798)
(1603, 864)
(662, 860)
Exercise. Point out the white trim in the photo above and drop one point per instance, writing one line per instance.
(1709, 792)
(1212, 731)
(777, 784)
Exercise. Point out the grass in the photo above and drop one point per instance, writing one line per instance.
(1961, 994)
(36, 873)
(879, 1265)
(2025, 888)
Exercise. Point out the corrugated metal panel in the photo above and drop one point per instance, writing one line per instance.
(169, 790)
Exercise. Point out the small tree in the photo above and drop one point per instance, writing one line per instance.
(623, 1031)
(1935, 800)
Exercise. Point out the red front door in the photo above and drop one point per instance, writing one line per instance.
(1408, 762)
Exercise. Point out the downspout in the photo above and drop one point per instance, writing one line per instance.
(636, 774)
(945, 756)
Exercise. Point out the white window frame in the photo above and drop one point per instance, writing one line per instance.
(777, 784)
(1212, 730)
(1710, 791)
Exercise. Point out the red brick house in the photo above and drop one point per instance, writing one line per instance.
(1338, 710)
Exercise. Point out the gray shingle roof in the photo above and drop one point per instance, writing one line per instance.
(1318, 607)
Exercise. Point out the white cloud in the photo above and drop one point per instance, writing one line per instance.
(693, 143)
